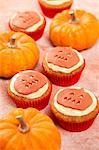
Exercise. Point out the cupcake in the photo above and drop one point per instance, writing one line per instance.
(51, 7)
(29, 22)
(75, 108)
(63, 65)
(30, 89)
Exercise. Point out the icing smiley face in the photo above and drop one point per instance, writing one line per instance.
(74, 98)
(24, 20)
(63, 57)
(29, 82)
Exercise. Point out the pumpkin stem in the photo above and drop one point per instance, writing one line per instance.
(73, 17)
(11, 43)
(23, 127)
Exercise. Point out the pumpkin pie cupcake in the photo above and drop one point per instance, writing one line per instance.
(75, 108)
(63, 65)
(51, 7)
(29, 22)
(30, 89)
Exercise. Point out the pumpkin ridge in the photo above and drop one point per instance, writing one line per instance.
(27, 57)
(9, 125)
(12, 137)
(34, 113)
(33, 52)
(45, 138)
(40, 119)
(42, 127)
(33, 134)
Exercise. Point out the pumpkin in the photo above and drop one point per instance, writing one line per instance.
(28, 129)
(18, 52)
(77, 29)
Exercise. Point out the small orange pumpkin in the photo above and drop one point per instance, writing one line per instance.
(77, 29)
(28, 129)
(18, 52)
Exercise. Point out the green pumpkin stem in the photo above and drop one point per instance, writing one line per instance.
(73, 19)
(23, 127)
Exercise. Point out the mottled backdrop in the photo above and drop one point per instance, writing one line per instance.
(86, 140)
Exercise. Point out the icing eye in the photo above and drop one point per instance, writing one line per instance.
(78, 102)
(31, 76)
(73, 101)
(71, 93)
(27, 86)
(81, 96)
(69, 98)
(33, 81)
(68, 54)
(60, 51)
(23, 80)
(30, 83)
(56, 55)
(65, 97)
(36, 80)
(65, 59)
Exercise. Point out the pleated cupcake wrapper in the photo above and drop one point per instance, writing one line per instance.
(63, 80)
(75, 127)
(36, 34)
(39, 103)
(51, 12)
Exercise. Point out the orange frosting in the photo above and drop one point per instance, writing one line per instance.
(74, 98)
(29, 82)
(63, 57)
(25, 20)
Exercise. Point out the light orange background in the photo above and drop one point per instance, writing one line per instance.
(86, 140)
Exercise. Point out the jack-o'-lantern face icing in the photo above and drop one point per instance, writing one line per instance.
(63, 57)
(24, 20)
(74, 98)
(29, 82)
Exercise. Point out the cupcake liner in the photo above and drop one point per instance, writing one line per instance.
(70, 124)
(38, 103)
(36, 34)
(75, 127)
(64, 80)
(51, 12)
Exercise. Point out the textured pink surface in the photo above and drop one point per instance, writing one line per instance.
(86, 140)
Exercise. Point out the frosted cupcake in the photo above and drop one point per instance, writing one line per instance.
(30, 89)
(63, 65)
(29, 22)
(51, 7)
(75, 108)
